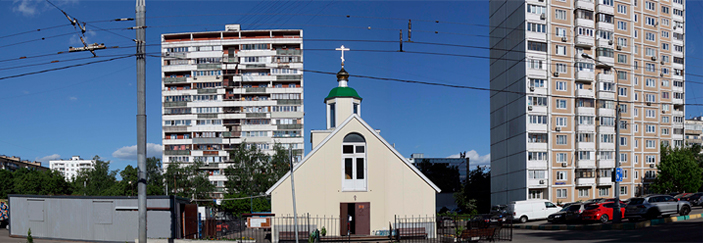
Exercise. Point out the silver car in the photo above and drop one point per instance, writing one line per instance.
(652, 206)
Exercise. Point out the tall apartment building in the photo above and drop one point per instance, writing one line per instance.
(694, 131)
(565, 64)
(223, 88)
(70, 167)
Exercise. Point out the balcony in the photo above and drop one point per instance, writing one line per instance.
(677, 101)
(605, 60)
(209, 66)
(175, 128)
(537, 146)
(584, 4)
(537, 164)
(608, 78)
(176, 152)
(584, 93)
(584, 22)
(583, 40)
(606, 112)
(605, 26)
(289, 126)
(538, 182)
(605, 43)
(584, 75)
(256, 90)
(585, 181)
(207, 140)
(585, 145)
(289, 102)
(585, 111)
(605, 181)
(606, 95)
(175, 80)
(606, 129)
(606, 9)
(606, 163)
(537, 127)
(256, 115)
(586, 164)
(585, 128)
(176, 104)
(264, 78)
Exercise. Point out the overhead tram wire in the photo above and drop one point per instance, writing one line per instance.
(453, 85)
(32, 31)
(56, 61)
(64, 67)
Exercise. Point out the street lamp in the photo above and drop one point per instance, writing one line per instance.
(617, 217)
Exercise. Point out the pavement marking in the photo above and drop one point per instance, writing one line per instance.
(626, 226)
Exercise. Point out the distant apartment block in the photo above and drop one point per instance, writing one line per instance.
(566, 65)
(224, 88)
(694, 131)
(71, 167)
(15, 163)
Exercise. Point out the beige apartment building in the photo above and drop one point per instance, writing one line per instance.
(565, 66)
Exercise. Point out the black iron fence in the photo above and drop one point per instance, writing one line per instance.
(431, 228)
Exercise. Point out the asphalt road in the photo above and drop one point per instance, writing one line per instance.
(694, 210)
(683, 231)
(5, 238)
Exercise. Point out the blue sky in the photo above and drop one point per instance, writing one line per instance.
(91, 110)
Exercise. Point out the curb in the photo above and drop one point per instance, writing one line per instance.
(626, 226)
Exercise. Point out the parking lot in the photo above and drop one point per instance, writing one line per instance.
(694, 210)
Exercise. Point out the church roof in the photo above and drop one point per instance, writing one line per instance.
(342, 92)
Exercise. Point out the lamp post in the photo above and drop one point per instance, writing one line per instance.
(617, 217)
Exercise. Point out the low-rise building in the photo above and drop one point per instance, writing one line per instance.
(15, 163)
(70, 167)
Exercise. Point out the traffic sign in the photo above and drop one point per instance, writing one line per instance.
(618, 174)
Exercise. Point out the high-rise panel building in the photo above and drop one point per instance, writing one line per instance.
(224, 88)
(559, 71)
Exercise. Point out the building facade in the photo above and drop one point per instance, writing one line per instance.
(15, 163)
(224, 88)
(694, 131)
(462, 164)
(565, 66)
(70, 167)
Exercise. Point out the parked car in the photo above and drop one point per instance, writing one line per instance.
(595, 200)
(532, 209)
(693, 198)
(652, 206)
(569, 213)
(680, 195)
(674, 193)
(602, 212)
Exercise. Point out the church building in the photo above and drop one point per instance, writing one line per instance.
(352, 172)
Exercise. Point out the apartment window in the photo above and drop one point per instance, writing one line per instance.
(561, 86)
(582, 66)
(607, 2)
(606, 155)
(623, 190)
(622, 42)
(665, 34)
(623, 141)
(651, 129)
(623, 108)
(535, 64)
(650, 82)
(561, 121)
(650, 159)
(583, 192)
(535, 194)
(561, 50)
(584, 120)
(622, 9)
(537, 83)
(607, 138)
(537, 138)
(622, 75)
(637, 174)
(255, 47)
(650, 36)
(649, 5)
(651, 144)
(650, 21)
(650, 52)
(561, 104)
(665, 46)
(678, 12)
(651, 113)
(537, 156)
(607, 121)
(561, 140)
(622, 25)
(354, 163)
(583, 31)
(650, 67)
(665, 71)
(584, 14)
(536, 46)
(665, 131)
(636, 98)
(604, 52)
(608, 35)
(622, 92)
(561, 193)
(652, 98)
(584, 155)
(536, 9)
(536, 101)
(560, 32)
(678, 48)
(562, 176)
(561, 157)
(665, 119)
(605, 18)
(678, 60)
(560, 14)
(561, 68)
(535, 27)
(607, 86)
(538, 119)
(536, 174)
(636, 17)
(637, 33)
(603, 191)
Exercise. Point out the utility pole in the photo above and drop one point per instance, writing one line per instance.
(141, 116)
(292, 186)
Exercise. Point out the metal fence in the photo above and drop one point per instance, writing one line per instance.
(423, 229)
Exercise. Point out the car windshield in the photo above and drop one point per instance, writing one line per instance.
(636, 201)
(592, 206)
(574, 208)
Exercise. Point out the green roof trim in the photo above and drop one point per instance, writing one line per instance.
(342, 92)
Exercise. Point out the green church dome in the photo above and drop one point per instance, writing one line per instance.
(342, 92)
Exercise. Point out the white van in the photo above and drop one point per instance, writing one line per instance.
(532, 209)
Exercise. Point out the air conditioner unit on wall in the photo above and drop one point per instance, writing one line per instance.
(542, 16)
(563, 164)
(564, 39)
(610, 42)
(558, 129)
(556, 74)
(529, 107)
(654, 58)
(532, 88)
(651, 165)
(619, 47)
(541, 182)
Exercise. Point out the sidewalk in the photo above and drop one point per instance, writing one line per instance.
(5, 238)
(627, 225)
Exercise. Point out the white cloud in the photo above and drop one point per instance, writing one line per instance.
(130, 152)
(475, 158)
(46, 159)
(26, 7)
(72, 98)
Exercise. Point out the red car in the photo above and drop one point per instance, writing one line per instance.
(602, 212)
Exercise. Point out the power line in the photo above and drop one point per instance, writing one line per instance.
(32, 31)
(56, 61)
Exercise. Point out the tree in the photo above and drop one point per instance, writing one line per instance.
(154, 177)
(251, 173)
(678, 171)
(443, 175)
(186, 180)
(97, 181)
(26, 181)
(7, 182)
(476, 192)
